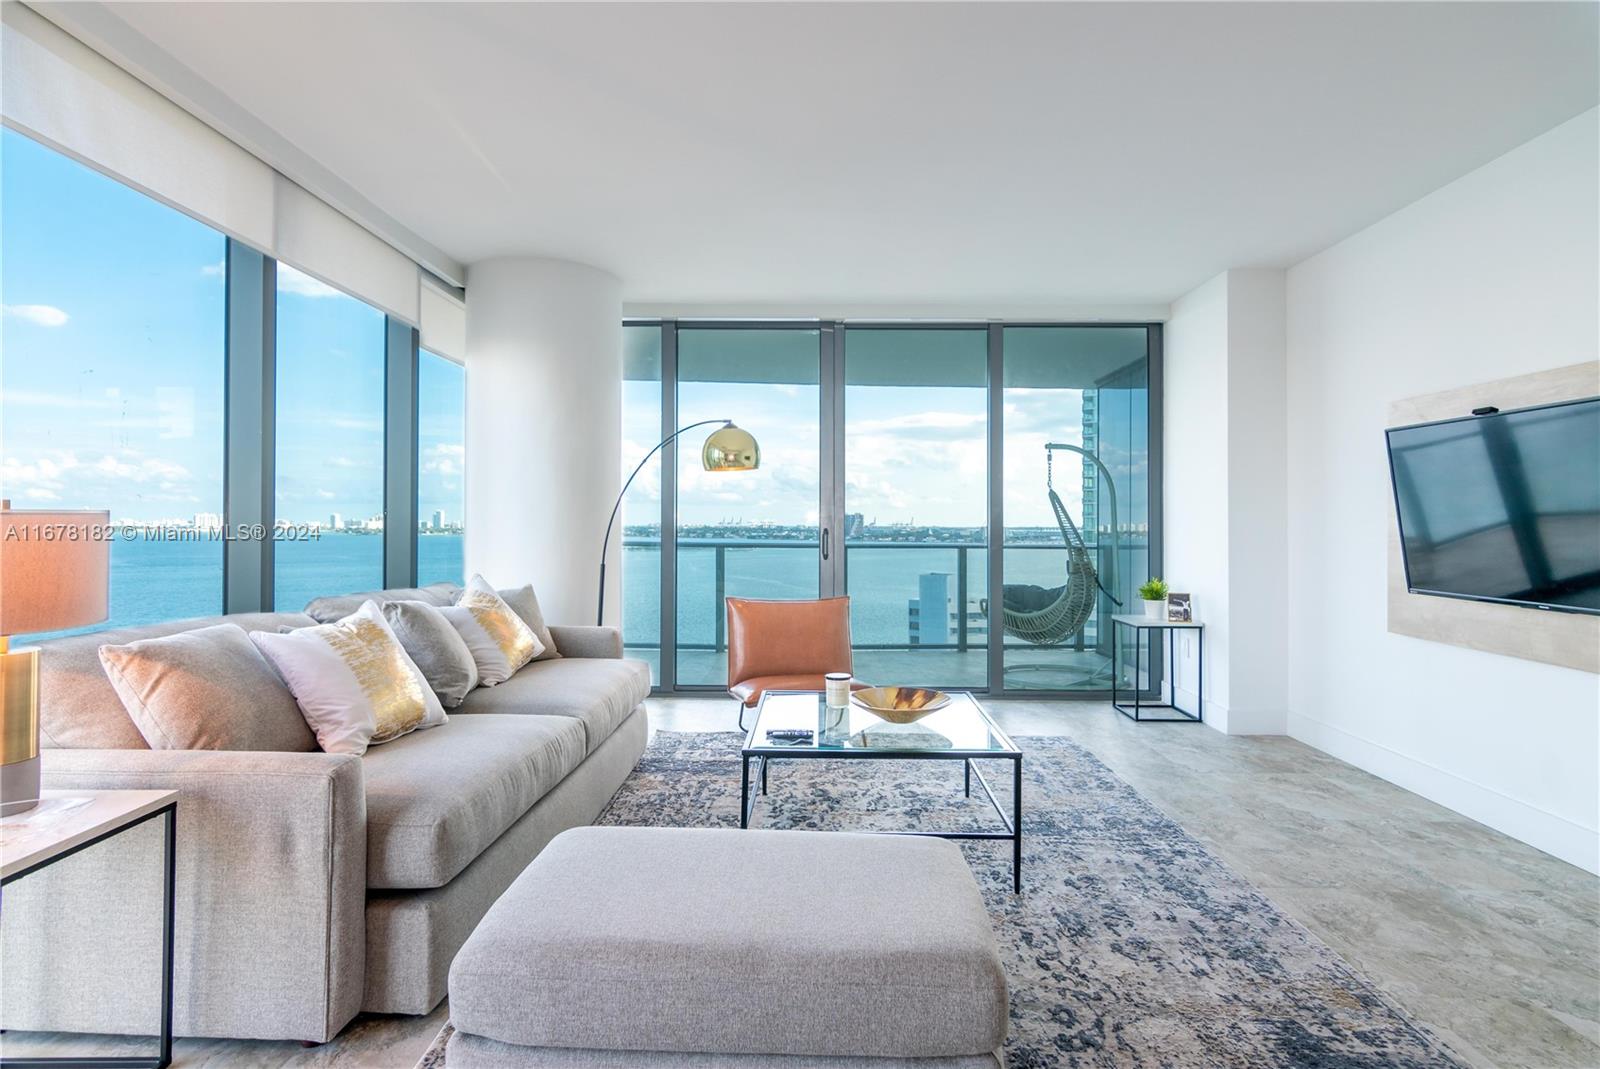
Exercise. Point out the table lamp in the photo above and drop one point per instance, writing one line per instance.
(54, 574)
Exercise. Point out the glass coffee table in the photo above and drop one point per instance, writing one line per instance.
(961, 731)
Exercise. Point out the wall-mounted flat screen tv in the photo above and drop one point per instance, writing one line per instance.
(1503, 506)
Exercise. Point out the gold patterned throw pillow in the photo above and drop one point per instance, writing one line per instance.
(352, 680)
(499, 640)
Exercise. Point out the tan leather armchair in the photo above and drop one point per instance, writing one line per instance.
(785, 645)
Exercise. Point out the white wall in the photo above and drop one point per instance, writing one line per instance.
(1491, 276)
(544, 429)
(1224, 486)
(1194, 457)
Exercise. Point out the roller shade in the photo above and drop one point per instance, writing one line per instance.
(320, 241)
(59, 91)
(444, 323)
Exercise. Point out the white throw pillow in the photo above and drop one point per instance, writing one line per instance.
(499, 640)
(352, 680)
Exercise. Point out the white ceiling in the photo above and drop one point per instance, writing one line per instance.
(830, 156)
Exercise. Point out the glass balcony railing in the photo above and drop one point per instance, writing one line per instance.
(919, 610)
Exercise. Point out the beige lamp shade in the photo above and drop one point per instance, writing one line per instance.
(54, 569)
(730, 448)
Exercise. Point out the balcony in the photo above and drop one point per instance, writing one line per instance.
(906, 617)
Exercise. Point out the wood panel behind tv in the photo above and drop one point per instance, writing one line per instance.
(1567, 639)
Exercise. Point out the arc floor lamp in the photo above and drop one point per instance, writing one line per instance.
(728, 448)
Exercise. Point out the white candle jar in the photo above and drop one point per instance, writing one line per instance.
(837, 689)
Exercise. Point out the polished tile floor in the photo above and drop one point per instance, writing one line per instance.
(1491, 943)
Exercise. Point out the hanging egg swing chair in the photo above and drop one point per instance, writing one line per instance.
(1049, 616)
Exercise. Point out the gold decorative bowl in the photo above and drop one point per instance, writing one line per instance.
(900, 705)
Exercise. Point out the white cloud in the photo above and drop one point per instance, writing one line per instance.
(216, 270)
(40, 315)
(444, 459)
(303, 285)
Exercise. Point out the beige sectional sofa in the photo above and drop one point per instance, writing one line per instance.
(311, 886)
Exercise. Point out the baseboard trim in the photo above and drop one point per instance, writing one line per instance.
(1232, 721)
(1542, 830)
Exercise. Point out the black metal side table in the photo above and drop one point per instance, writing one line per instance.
(1138, 625)
(66, 822)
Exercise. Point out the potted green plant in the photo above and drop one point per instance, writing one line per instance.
(1154, 595)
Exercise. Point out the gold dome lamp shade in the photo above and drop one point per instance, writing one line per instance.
(730, 448)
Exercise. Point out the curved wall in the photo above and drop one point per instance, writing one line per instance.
(544, 411)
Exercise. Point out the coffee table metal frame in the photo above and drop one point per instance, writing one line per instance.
(762, 754)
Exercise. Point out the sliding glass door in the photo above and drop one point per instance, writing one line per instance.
(893, 459)
(915, 526)
(1077, 498)
(744, 534)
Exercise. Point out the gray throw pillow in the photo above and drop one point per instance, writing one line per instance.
(525, 603)
(206, 689)
(335, 607)
(435, 647)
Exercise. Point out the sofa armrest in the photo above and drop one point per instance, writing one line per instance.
(270, 899)
(597, 642)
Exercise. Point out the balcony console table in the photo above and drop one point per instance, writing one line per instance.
(65, 822)
(1138, 625)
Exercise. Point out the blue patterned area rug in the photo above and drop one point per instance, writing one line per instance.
(1129, 946)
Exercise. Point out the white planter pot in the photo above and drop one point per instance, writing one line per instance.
(1156, 610)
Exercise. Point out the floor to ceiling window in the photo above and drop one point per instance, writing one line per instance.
(748, 534)
(879, 480)
(639, 525)
(111, 387)
(1076, 499)
(916, 503)
(441, 456)
(329, 499)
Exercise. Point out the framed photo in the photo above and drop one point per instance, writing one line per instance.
(1180, 609)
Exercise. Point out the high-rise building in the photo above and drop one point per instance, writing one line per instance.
(335, 522)
(438, 519)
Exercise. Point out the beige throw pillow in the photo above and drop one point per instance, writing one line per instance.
(500, 642)
(206, 689)
(352, 680)
(525, 603)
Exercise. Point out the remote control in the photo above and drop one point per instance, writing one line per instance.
(790, 734)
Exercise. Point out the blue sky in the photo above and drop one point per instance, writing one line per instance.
(111, 363)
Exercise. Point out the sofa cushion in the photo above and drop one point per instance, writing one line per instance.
(652, 939)
(436, 799)
(600, 693)
(325, 610)
(79, 708)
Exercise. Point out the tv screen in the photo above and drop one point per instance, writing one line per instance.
(1503, 507)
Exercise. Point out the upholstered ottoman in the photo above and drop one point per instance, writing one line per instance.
(700, 948)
